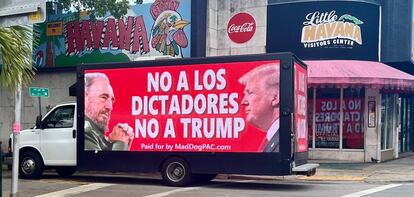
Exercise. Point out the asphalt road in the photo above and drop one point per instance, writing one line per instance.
(117, 185)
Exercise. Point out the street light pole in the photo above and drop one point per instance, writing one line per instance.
(16, 141)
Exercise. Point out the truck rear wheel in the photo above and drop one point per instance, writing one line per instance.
(65, 171)
(30, 165)
(176, 172)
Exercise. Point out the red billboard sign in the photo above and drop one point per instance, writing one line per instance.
(301, 79)
(241, 27)
(192, 108)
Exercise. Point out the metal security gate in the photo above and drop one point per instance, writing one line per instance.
(406, 123)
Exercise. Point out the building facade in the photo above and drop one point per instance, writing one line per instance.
(352, 117)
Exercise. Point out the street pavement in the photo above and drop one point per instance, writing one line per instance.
(393, 171)
(369, 176)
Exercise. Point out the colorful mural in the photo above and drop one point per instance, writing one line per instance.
(161, 28)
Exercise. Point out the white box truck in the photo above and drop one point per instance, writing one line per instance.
(189, 119)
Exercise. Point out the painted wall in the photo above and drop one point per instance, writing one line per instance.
(154, 29)
(372, 134)
(218, 16)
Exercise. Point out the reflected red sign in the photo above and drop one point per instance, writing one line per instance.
(241, 27)
(353, 123)
(327, 119)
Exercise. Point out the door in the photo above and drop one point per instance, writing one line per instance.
(58, 142)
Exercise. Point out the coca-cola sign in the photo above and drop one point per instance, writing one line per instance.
(241, 27)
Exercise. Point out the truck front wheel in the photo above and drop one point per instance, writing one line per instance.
(176, 172)
(30, 165)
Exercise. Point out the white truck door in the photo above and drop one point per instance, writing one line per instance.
(58, 141)
(30, 138)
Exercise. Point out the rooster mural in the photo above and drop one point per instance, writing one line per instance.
(167, 33)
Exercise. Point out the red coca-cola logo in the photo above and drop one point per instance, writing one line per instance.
(241, 27)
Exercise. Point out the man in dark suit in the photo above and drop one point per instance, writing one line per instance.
(261, 101)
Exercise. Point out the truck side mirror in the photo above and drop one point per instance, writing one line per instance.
(39, 121)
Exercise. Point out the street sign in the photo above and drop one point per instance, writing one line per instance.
(38, 92)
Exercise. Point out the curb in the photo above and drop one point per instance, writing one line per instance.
(333, 178)
(293, 177)
(256, 177)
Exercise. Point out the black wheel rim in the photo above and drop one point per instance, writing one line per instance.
(175, 171)
(28, 165)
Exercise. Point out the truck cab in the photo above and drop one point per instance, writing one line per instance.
(50, 144)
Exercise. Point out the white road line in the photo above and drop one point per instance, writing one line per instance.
(173, 191)
(373, 190)
(193, 188)
(76, 190)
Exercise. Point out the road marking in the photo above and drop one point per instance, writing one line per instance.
(373, 190)
(194, 188)
(173, 191)
(76, 190)
(333, 178)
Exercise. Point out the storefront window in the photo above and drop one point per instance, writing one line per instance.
(310, 117)
(353, 118)
(387, 120)
(327, 117)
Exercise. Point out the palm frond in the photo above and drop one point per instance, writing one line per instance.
(16, 49)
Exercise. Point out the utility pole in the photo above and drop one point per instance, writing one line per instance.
(16, 133)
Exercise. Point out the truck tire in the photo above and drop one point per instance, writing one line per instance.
(66, 171)
(30, 165)
(176, 172)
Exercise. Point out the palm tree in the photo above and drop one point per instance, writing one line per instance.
(16, 50)
(16, 70)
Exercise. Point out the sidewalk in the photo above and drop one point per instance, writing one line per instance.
(398, 170)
